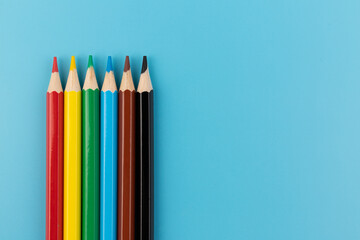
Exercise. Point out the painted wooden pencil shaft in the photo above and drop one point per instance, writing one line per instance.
(126, 165)
(72, 156)
(145, 166)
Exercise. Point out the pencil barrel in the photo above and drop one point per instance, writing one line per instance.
(108, 162)
(90, 165)
(72, 165)
(144, 166)
(126, 180)
(54, 165)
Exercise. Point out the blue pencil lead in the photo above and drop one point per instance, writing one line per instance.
(109, 65)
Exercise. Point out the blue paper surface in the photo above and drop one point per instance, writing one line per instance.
(256, 110)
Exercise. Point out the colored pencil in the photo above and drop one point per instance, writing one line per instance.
(108, 152)
(72, 156)
(126, 191)
(144, 157)
(54, 156)
(91, 156)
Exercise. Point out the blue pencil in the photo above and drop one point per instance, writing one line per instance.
(108, 155)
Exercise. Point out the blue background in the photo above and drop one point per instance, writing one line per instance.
(257, 114)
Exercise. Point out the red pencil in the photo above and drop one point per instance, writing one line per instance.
(54, 156)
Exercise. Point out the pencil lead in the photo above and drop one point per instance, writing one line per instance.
(144, 65)
(127, 64)
(109, 65)
(72, 64)
(55, 66)
(90, 62)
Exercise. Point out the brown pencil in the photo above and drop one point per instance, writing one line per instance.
(126, 163)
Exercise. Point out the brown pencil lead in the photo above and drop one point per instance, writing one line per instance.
(127, 64)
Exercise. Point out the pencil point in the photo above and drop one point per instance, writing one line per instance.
(109, 65)
(127, 64)
(90, 62)
(144, 65)
(72, 64)
(145, 81)
(55, 66)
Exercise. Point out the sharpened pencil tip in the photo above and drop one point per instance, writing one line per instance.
(144, 65)
(127, 64)
(90, 62)
(109, 66)
(55, 66)
(72, 64)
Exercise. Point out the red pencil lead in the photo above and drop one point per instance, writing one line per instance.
(55, 66)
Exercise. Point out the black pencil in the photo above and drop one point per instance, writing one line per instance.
(144, 197)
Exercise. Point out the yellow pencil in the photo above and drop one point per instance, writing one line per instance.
(72, 156)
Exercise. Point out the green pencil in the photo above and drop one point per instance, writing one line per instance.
(91, 155)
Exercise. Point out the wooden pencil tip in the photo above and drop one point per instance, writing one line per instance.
(55, 66)
(72, 64)
(109, 66)
(127, 64)
(90, 62)
(144, 65)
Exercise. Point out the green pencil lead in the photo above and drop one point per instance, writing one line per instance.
(90, 62)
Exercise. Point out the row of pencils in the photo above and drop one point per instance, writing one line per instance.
(99, 156)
